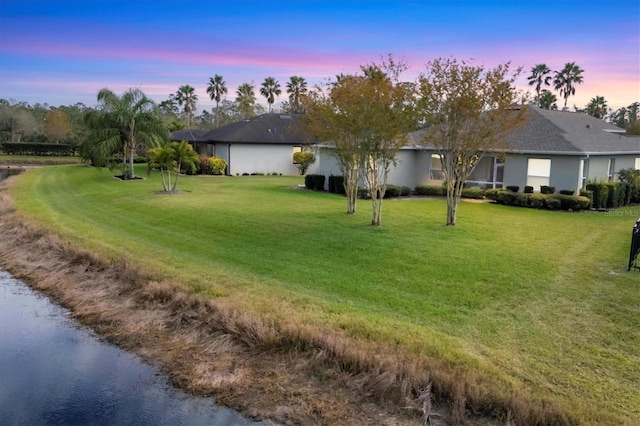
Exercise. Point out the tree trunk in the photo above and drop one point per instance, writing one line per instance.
(351, 189)
(452, 208)
(376, 204)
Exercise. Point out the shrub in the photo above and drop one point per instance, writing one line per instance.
(566, 192)
(405, 191)
(521, 200)
(536, 201)
(392, 191)
(431, 190)
(623, 189)
(474, 193)
(513, 188)
(553, 204)
(612, 195)
(339, 185)
(509, 197)
(600, 194)
(628, 193)
(204, 167)
(40, 149)
(571, 202)
(332, 184)
(632, 177)
(546, 189)
(493, 194)
(217, 166)
(589, 195)
(303, 160)
(315, 182)
(308, 181)
(528, 189)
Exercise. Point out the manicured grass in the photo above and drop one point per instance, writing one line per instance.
(538, 299)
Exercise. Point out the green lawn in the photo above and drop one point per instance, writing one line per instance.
(538, 299)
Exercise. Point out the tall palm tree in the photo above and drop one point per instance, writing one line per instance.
(216, 89)
(566, 79)
(597, 107)
(296, 88)
(540, 74)
(186, 95)
(246, 99)
(547, 100)
(126, 123)
(270, 89)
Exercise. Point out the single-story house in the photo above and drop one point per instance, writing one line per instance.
(261, 144)
(556, 148)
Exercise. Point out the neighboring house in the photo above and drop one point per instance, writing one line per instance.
(261, 144)
(556, 148)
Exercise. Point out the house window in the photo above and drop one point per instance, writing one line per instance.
(637, 166)
(296, 148)
(435, 169)
(612, 169)
(584, 173)
(538, 172)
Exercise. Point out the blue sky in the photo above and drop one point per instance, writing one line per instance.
(63, 52)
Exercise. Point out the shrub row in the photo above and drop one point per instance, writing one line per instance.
(38, 149)
(538, 200)
(441, 191)
(610, 195)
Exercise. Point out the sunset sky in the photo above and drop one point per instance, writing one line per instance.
(63, 52)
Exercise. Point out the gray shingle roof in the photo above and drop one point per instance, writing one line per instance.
(562, 132)
(189, 135)
(587, 134)
(271, 128)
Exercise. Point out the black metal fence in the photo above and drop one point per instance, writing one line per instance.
(634, 253)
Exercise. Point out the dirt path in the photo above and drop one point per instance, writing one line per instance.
(203, 346)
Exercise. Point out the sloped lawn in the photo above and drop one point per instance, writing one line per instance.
(537, 300)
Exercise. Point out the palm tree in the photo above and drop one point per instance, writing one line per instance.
(547, 100)
(171, 159)
(270, 89)
(597, 107)
(566, 79)
(246, 99)
(126, 123)
(216, 88)
(186, 95)
(540, 74)
(296, 88)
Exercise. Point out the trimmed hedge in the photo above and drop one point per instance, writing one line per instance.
(600, 194)
(538, 200)
(430, 190)
(314, 182)
(38, 149)
(394, 191)
(441, 191)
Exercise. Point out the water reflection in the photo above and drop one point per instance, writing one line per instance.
(55, 373)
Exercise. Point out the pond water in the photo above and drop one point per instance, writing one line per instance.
(54, 372)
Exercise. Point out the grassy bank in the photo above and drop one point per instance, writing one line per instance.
(509, 302)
